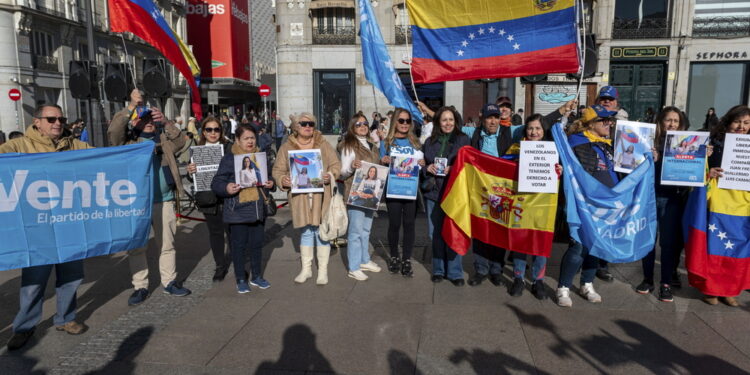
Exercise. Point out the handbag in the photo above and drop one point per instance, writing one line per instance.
(268, 202)
(335, 221)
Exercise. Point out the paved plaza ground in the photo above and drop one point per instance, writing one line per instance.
(385, 325)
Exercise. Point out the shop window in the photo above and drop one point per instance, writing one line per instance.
(721, 19)
(334, 99)
(717, 85)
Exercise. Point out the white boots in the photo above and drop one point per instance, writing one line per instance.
(306, 256)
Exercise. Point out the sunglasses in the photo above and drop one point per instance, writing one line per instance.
(404, 121)
(362, 123)
(212, 130)
(52, 119)
(306, 124)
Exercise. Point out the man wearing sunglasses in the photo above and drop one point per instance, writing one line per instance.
(136, 124)
(46, 135)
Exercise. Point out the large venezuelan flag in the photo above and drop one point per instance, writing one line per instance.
(481, 202)
(717, 244)
(142, 18)
(471, 39)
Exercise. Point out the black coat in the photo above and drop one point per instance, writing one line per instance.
(433, 191)
(235, 212)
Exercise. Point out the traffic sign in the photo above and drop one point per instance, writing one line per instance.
(14, 94)
(213, 97)
(264, 90)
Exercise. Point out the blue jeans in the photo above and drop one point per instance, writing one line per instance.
(68, 276)
(669, 217)
(575, 257)
(358, 236)
(488, 259)
(445, 261)
(538, 266)
(311, 237)
(246, 237)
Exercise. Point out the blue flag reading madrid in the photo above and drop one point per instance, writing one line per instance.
(616, 224)
(63, 206)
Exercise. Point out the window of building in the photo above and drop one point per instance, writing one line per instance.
(401, 24)
(334, 99)
(721, 19)
(641, 19)
(333, 26)
(431, 94)
(717, 85)
(44, 49)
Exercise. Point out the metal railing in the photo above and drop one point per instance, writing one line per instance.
(402, 32)
(46, 63)
(721, 27)
(648, 28)
(57, 11)
(334, 35)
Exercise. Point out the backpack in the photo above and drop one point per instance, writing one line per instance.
(334, 222)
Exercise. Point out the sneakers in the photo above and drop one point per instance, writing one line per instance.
(516, 289)
(219, 274)
(19, 339)
(539, 290)
(563, 297)
(357, 275)
(587, 290)
(665, 293)
(138, 297)
(72, 328)
(242, 287)
(370, 267)
(676, 281)
(496, 279)
(394, 265)
(406, 270)
(260, 283)
(457, 282)
(477, 279)
(604, 274)
(436, 278)
(645, 287)
(174, 288)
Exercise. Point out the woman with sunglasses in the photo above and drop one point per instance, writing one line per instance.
(309, 208)
(401, 212)
(355, 149)
(209, 204)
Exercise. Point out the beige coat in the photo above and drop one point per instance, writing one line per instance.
(34, 142)
(303, 213)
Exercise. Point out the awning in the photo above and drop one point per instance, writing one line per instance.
(318, 4)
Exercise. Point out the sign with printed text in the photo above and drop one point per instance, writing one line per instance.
(206, 160)
(684, 158)
(536, 167)
(735, 161)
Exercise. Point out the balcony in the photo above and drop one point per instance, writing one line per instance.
(721, 27)
(51, 8)
(46, 63)
(649, 28)
(402, 33)
(334, 35)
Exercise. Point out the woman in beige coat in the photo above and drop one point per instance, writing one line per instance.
(308, 208)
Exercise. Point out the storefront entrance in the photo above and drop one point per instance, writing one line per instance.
(641, 86)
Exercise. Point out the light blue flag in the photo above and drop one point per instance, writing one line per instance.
(616, 224)
(379, 69)
(62, 206)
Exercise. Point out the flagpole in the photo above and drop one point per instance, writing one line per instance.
(411, 76)
(581, 49)
(127, 59)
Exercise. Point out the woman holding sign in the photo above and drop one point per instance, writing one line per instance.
(401, 140)
(244, 211)
(355, 148)
(444, 143)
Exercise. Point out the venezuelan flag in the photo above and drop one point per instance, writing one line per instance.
(717, 245)
(472, 39)
(481, 201)
(142, 18)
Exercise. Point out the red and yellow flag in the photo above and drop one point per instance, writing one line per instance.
(481, 201)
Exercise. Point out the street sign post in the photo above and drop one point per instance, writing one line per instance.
(264, 90)
(14, 94)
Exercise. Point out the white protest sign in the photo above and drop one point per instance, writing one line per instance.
(536, 167)
(735, 162)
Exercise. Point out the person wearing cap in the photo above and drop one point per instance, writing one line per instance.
(607, 98)
(589, 139)
(135, 124)
(506, 112)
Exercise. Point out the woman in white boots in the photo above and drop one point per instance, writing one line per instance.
(308, 208)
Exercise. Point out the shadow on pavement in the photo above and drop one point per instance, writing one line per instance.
(123, 363)
(483, 362)
(400, 363)
(17, 361)
(299, 353)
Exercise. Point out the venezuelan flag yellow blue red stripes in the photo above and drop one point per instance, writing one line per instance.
(470, 39)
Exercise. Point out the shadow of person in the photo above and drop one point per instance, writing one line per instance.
(400, 363)
(19, 361)
(123, 363)
(300, 353)
(483, 362)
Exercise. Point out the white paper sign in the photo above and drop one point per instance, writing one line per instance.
(536, 167)
(735, 161)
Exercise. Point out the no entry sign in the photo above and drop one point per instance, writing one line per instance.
(14, 94)
(264, 90)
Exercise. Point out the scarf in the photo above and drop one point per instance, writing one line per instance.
(593, 138)
(505, 122)
(443, 139)
(249, 194)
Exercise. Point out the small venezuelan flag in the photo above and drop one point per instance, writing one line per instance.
(481, 201)
(472, 39)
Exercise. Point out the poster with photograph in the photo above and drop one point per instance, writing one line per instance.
(206, 160)
(403, 177)
(306, 169)
(250, 169)
(632, 141)
(735, 161)
(367, 186)
(684, 158)
(441, 165)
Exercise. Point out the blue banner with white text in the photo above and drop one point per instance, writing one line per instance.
(63, 206)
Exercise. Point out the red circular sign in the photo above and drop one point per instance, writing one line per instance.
(14, 94)
(264, 90)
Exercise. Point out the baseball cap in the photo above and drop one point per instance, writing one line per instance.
(595, 111)
(608, 92)
(490, 109)
(504, 101)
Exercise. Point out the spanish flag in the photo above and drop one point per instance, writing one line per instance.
(471, 39)
(481, 201)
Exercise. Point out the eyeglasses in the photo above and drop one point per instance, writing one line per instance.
(305, 124)
(404, 121)
(52, 119)
(362, 123)
(212, 130)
